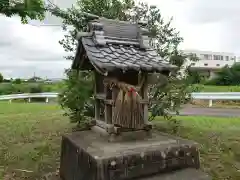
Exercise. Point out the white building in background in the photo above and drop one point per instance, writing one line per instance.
(210, 62)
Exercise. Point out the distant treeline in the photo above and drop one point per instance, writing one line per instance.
(34, 87)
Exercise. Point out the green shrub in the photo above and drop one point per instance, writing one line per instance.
(37, 89)
(227, 76)
(17, 81)
(76, 96)
(7, 88)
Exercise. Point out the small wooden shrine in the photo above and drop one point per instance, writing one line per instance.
(119, 54)
(121, 58)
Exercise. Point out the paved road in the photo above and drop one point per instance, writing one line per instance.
(223, 112)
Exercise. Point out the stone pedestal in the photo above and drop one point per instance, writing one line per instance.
(87, 156)
(182, 174)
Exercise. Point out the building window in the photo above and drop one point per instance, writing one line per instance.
(192, 64)
(217, 57)
(207, 56)
(227, 58)
(218, 64)
(206, 64)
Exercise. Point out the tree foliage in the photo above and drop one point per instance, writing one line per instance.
(1, 78)
(33, 9)
(77, 97)
(163, 36)
(17, 81)
(169, 97)
(227, 76)
(194, 76)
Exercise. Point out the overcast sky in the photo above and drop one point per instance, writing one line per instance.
(205, 25)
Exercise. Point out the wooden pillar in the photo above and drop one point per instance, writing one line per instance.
(114, 97)
(97, 101)
(145, 97)
(108, 108)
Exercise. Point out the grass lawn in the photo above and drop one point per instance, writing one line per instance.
(219, 140)
(31, 135)
(30, 138)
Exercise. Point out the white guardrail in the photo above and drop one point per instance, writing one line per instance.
(197, 95)
(28, 96)
(216, 96)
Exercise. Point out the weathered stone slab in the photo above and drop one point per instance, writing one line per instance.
(87, 156)
(184, 174)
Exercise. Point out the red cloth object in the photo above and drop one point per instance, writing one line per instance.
(131, 90)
